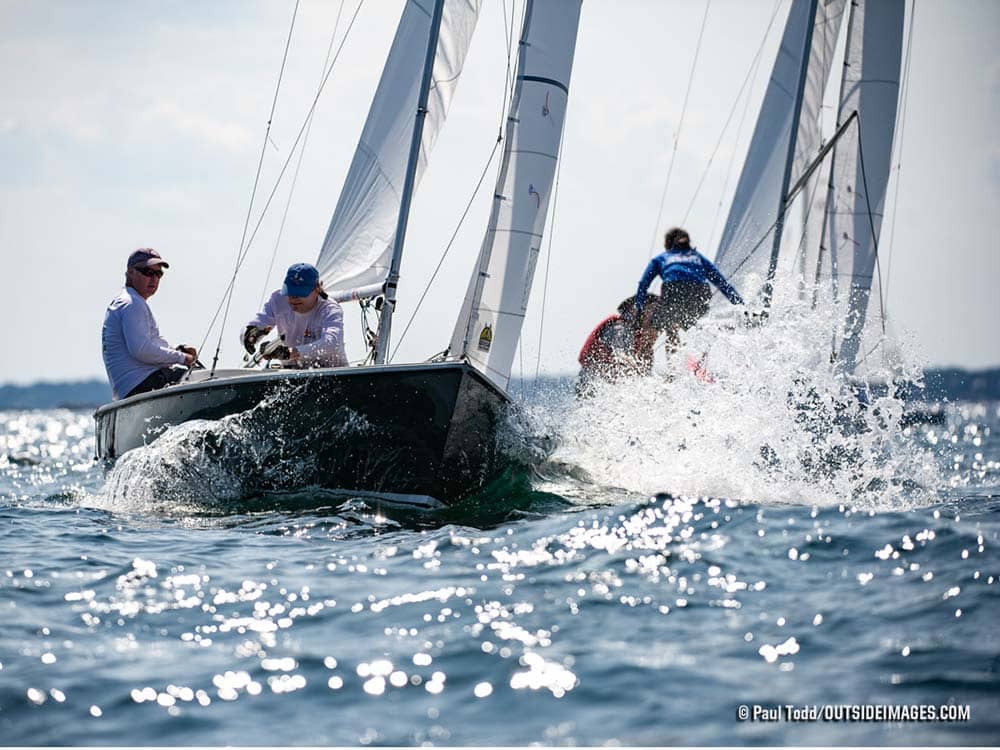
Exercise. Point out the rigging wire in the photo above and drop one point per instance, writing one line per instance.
(256, 179)
(680, 125)
(508, 33)
(751, 72)
(515, 40)
(899, 152)
(755, 68)
(229, 289)
(871, 226)
(298, 164)
(368, 334)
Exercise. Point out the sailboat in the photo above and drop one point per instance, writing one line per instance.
(832, 192)
(424, 432)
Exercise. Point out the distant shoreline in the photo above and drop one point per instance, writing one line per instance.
(949, 383)
(78, 394)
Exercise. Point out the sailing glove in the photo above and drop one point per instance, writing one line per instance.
(250, 336)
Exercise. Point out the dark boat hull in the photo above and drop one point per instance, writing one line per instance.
(409, 430)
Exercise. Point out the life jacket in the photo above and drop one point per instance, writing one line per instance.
(613, 354)
(596, 351)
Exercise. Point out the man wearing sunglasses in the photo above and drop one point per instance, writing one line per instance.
(136, 357)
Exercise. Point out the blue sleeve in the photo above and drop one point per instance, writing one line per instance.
(644, 282)
(715, 276)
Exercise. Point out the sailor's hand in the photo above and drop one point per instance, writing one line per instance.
(250, 336)
(190, 354)
(278, 352)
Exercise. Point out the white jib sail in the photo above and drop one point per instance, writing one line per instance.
(861, 167)
(777, 156)
(489, 325)
(358, 245)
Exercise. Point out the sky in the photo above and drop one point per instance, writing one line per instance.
(141, 124)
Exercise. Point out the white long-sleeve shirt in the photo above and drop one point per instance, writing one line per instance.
(131, 343)
(318, 335)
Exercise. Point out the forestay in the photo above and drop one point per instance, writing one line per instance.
(786, 137)
(489, 325)
(356, 252)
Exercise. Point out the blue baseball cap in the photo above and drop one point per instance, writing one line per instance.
(300, 281)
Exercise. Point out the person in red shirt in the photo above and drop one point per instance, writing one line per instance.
(620, 346)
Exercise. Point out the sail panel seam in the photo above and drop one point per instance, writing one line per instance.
(517, 231)
(536, 153)
(549, 81)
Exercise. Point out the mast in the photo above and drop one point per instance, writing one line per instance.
(385, 324)
(790, 157)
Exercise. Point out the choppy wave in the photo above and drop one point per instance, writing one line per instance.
(210, 465)
(562, 594)
(765, 416)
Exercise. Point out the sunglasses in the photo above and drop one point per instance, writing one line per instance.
(150, 272)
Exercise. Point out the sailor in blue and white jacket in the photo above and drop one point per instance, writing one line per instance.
(685, 293)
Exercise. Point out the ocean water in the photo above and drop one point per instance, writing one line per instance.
(675, 561)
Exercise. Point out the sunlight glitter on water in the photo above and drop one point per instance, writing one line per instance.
(46, 449)
(216, 615)
(605, 555)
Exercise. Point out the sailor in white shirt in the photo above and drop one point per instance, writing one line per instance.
(310, 324)
(136, 357)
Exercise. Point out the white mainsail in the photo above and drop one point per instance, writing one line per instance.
(809, 141)
(862, 163)
(356, 253)
(786, 137)
(489, 325)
